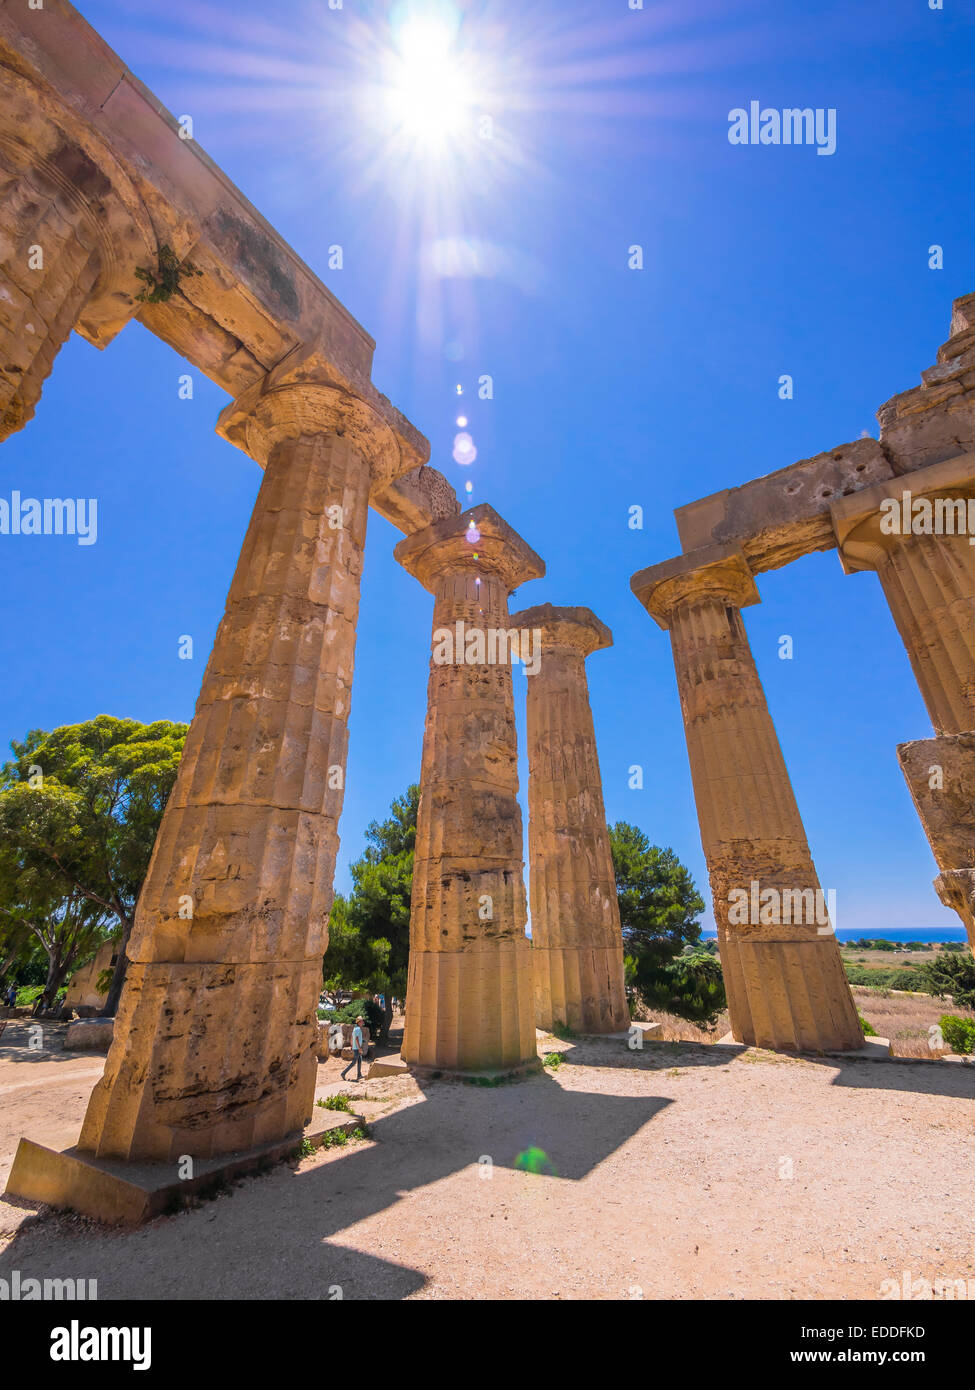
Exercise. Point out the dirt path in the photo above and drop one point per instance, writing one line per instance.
(680, 1172)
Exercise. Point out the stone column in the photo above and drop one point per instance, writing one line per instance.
(72, 233)
(915, 533)
(784, 977)
(215, 1039)
(577, 945)
(469, 994)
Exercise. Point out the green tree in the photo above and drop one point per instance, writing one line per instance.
(666, 961)
(79, 811)
(369, 932)
(950, 973)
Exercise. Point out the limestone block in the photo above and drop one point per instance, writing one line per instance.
(89, 1035)
(936, 420)
(777, 518)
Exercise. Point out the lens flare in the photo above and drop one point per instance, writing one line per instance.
(465, 451)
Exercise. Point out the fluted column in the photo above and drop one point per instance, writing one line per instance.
(577, 945)
(784, 977)
(469, 992)
(215, 1041)
(917, 536)
(72, 234)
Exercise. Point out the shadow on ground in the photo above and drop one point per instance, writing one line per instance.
(272, 1236)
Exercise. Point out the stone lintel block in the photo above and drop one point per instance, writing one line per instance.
(416, 500)
(779, 517)
(446, 546)
(857, 520)
(940, 773)
(719, 571)
(191, 200)
(575, 630)
(936, 420)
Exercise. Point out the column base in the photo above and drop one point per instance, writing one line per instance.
(206, 1060)
(789, 996)
(581, 987)
(127, 1194)
(470, 1011)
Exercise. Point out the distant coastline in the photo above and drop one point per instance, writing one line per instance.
(896, 936)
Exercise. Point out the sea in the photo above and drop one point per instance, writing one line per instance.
(897, 936)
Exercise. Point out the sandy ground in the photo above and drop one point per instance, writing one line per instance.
(683, 1171)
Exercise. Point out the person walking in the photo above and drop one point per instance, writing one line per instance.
(356, 1051)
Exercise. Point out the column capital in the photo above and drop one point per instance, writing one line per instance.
(870, 524)
(713, 571)
(575, 630)
(300, 396)
(478, 539)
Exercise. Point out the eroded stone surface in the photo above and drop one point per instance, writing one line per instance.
(785, 980)
(469, 994)
(786, 514)
(940, 773)
(577, 948)
(216, 1038)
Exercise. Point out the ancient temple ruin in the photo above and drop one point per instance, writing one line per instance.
(899, 506)
(103, 199)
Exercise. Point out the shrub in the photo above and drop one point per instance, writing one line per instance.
(369, 1010)
(952, 973)
(869, 1031)
(553, 1061)
(339, 1102)
(691, 986)
(958, 1033)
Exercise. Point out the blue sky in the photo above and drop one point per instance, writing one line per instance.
(611, 386)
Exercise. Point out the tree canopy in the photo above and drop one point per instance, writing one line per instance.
(79, 811)
(668, 964)
(369, 932)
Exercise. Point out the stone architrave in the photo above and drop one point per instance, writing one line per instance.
(785, 981)
(577, 946)
(469, 993)
(73, 231)
(914, 532)
(215, 1042)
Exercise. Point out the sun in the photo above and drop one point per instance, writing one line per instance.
(429, 93)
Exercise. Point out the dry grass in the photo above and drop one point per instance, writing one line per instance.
(905, 1018)
(674, 1029)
